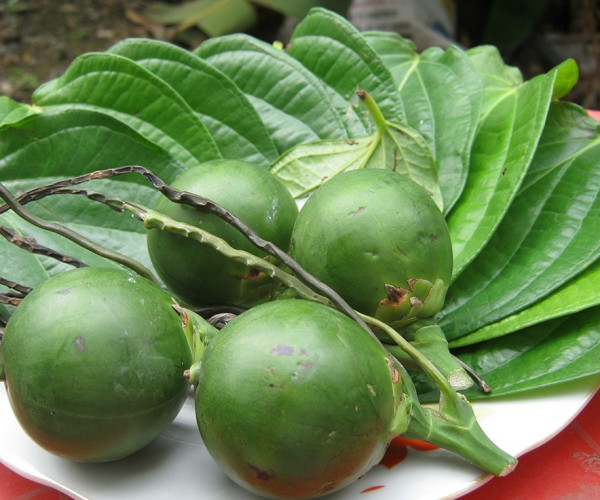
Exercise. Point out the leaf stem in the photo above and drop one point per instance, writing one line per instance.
(374, 111)
(464, 436)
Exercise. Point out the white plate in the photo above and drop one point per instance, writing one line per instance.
(177, 465)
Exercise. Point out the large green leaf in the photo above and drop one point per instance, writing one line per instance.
(121, 88)
(549, 234)
(543, 355)
(582, 292)
(67, 142)
(442, 95)
(510, 127)
(62, 143)
(222, 107)
(290, 100)
(306, 166)
(30, 270)
(13, 111)
(334, 50)
(393, 49)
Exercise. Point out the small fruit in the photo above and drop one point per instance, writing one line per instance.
(379, 240)
(94, 363)
(200, 275)
(295, 400)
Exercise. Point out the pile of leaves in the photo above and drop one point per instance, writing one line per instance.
(515, 170)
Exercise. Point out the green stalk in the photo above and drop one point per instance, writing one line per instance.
(464, 437)
(374, 111)
(199, 333)
(447, 393)
(429, 339)
(155, 220)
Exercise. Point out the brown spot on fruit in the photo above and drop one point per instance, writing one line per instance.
(393, 371)
(358, 211)
(261, 475)
(283, 350)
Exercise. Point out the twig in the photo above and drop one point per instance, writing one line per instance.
(482, 384)
(71, 235)
(32, 246)
(11, 300)
(20, 289)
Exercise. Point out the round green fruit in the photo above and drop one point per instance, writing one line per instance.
(200, 275)
(94, 363)
(295, 400)
(380, 241)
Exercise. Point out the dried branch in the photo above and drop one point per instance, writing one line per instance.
(71, 235)
(31, 245)
(6, 298)
(22, 290)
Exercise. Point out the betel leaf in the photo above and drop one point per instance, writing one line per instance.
(393, 49)
(222, 107)
(498, 77)
(13, 111)
(393, 146)
(67, 142)
(511, 124)
(549, 233)
(442, 95)
(549, 353)
(404, 150)
(582, 292)
(119, 87)
(62, 143)
(30, 269)
(290, 100)
(306, 166)
(542, 355)
(335, 51)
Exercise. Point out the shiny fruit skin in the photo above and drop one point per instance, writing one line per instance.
(200, 275)
(94, 363)
(365, 229)
(295, 400)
